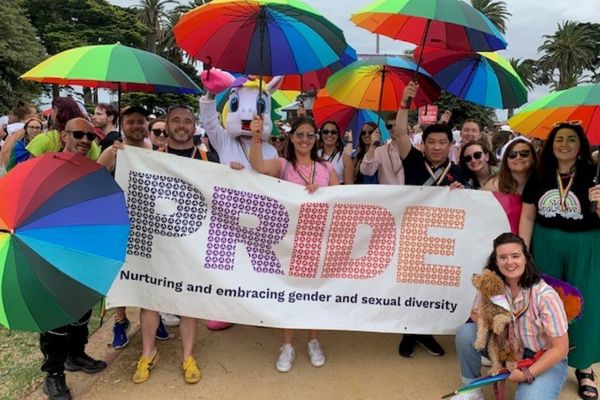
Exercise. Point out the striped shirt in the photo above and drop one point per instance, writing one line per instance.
(544, 318)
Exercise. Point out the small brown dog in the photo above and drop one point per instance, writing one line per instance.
(493, 321)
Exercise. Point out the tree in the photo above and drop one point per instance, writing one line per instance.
(153, 13)
(191, 5)
(526, 69)
(496, 12)
(20, 50)
(567, 53)
(462, 110)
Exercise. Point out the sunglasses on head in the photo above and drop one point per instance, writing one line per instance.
(364, 132)
(476, 156)
(158, 132)
(277, 139)
(329, 132)
(522, 153)
(307, 135)
(575, 122)
(80, 134)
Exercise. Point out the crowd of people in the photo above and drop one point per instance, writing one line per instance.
(557, 233)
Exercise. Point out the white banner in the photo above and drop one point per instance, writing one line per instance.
(210, 242)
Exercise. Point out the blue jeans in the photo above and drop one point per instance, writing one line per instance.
(546, 386)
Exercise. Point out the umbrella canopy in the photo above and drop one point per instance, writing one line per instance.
(314, 80)
(326, 108)
(63, 234)
(484, 78)
(260, 37)
(115, 67)
(579, 103)
(449, 24)
(377, 83)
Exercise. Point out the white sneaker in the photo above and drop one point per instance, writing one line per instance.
(169, 319)
(476, 394)
(287, 355)
(315, 352)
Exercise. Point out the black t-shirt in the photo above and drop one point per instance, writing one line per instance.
(195, 153)
(416, 173)
(109, 139)
(575, 215)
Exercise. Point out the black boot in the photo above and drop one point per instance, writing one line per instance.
(84, 363)
(56, 388)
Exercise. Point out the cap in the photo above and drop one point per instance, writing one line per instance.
(134, 110)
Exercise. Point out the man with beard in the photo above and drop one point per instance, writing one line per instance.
(105, 118)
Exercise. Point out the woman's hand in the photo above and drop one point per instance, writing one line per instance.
(517, 376)
(456, 185)
(595, 196)
(236, 165)
(311, 188)
(256, 127)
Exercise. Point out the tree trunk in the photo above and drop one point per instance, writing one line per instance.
(511, 112)
(95, 95)
(55, 91)
(87, 96)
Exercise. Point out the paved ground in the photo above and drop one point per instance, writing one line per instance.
(239, 363)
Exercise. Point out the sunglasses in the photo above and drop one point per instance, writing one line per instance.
(366, 132)
(80, 134)
(307, 135)
(476, 156)
(390, 126)
(158, 132)
(575, 122)
(274, 139)
(523, 154)
(329, 132)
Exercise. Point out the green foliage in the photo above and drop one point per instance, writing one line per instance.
(462, 110)
(19, 52)
(567, 53)
(157, 103)
(64, 24)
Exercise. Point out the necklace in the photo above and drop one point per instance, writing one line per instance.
(564, 191)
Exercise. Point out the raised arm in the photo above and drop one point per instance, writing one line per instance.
(526, 222)
(401, 139)
(259, 164)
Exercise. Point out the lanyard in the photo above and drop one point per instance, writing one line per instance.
(243, 146)
(564, 192)
(435, 179)
(308, 179)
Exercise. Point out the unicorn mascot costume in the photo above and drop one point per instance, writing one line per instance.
(234, 141)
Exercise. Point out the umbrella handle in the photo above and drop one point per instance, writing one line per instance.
(208, 67)
(423, 40)
(594, 204)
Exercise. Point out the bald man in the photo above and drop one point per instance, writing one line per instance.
(77, 137)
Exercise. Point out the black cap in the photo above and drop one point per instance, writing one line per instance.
(134, 110)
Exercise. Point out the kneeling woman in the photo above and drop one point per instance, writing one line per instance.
(301, 165)
(540, 324)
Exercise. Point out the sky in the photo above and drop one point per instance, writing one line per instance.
(531, 19)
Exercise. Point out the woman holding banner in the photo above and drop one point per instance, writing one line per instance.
(563, 228)
(303, 166)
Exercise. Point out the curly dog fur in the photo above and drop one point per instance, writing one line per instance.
(493, 321)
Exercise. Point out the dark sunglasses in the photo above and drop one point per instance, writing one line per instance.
(277, 139)
(329, 132)
(390, 126)
(477, 156)
(366, 132)
(80, 134)
(158, 132)
(523, 154)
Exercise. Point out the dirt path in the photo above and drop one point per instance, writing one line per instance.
(239, 363)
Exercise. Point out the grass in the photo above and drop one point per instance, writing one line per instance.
(20, 360)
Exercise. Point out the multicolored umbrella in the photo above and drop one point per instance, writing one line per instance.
(449, 24)
(484, 78)
(377, 83)
(114, 67)
(63, 234)
(260, 37)
(314, 80)
(326, 108)
(579, 103)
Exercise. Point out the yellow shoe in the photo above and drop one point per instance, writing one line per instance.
(144, 365)
(191, 372)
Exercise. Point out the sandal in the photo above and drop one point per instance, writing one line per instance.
(586, 388)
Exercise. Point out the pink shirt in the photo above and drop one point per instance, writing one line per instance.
(386, 161)
(320, 178)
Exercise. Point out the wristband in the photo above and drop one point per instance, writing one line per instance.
(528, 375)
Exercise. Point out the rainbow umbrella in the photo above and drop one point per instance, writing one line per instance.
(314, 80)
(63, 234)
(580, 103)
(484, 78)
(260, 37)
(449, 24)
(377, 83)
(326, 108)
